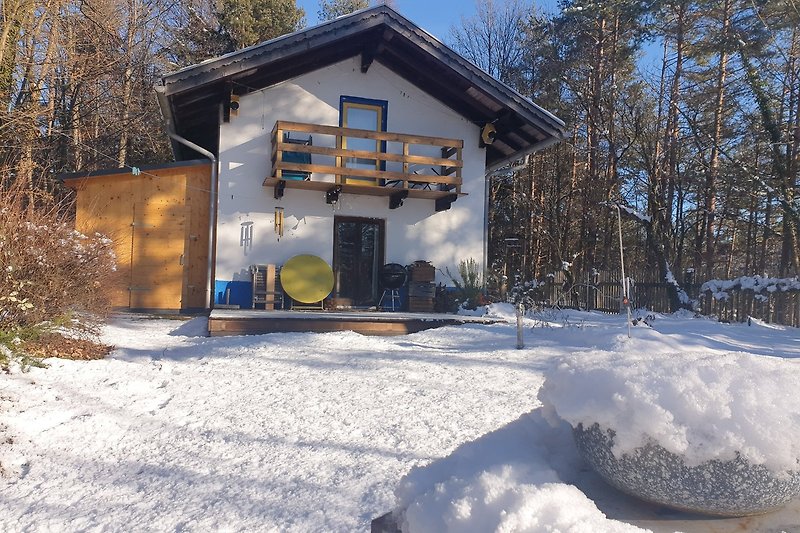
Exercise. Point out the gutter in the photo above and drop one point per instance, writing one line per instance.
(214, 185)
(496, 168)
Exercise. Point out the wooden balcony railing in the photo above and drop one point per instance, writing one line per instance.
(404, 166)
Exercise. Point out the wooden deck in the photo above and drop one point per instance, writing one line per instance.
(248, 322)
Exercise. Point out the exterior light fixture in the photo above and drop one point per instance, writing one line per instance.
(279, 222)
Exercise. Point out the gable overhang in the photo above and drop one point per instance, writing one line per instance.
(191, 98)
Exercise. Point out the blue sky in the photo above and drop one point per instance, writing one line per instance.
(435, 16)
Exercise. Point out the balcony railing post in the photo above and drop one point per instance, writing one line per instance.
(458, 170)
(279, 152)
(405, 164)
(339, 158)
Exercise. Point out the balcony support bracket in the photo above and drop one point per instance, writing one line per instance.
(332, 195)
(396, 199)
(279, 188)
(444, 203)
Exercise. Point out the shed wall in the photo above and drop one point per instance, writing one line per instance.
(159, 224)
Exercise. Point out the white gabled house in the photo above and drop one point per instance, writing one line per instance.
(363, 141)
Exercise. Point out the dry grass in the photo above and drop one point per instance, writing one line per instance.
(64, 347)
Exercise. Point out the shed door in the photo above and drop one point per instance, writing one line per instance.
(157, 245)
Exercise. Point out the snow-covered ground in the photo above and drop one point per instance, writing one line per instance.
(323, 432)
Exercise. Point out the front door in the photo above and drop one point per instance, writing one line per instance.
(357, 259)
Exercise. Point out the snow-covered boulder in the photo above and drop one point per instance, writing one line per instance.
(711, 433)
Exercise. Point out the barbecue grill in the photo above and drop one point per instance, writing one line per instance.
(392, 276)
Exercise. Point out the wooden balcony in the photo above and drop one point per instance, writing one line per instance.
(315, 157)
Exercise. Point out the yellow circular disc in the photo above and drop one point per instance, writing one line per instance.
(307, 278)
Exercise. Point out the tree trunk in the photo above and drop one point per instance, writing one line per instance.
(713, 167)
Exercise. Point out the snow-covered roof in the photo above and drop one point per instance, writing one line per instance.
(190, 97)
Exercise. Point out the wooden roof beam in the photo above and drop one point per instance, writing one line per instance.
(375, 49)
(401, 64)
(503, 147)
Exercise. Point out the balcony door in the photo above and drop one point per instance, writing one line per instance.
(362, 114)
(357, 259)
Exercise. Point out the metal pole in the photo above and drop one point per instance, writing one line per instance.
(520, 343)
(625, 295)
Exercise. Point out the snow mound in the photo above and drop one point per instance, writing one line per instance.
(698, 405)
(504, 481)
(502, 310)
(478, 311)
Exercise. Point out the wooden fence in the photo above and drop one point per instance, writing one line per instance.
(777, 307)
(603, 292)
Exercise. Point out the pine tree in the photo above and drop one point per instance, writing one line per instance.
(248, 22)
(330, 9)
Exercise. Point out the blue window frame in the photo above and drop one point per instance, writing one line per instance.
(366, 114)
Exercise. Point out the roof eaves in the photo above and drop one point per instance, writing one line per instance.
(291, 40)
(499, 164)
(70, 176)
(284, 46)
(556, 124)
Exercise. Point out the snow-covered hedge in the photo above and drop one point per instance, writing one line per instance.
(763, 286)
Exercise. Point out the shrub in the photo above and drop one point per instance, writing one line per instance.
(470, 287)
(51, 276)
(444, 300)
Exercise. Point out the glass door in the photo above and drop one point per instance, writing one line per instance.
(357, 259)
(363, 114)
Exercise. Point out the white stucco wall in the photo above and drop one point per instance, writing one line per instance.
(413, 231)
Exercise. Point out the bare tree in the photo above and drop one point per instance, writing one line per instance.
(492, 38)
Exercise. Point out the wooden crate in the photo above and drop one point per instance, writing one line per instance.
(421, 289)
(422, 271)
(420, 305)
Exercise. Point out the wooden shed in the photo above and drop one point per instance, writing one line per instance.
(159, 222)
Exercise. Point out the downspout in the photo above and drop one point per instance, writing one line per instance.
(500, 168)
(166, 113)
(486, 191)
(212, 210)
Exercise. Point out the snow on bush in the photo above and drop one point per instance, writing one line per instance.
(698, 405)
(720, 289)
(47, 269)
(682, 296)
